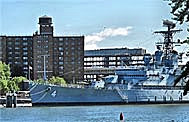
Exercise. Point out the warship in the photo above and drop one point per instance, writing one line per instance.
(151, 83)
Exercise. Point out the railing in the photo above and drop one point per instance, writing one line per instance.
(159, 87)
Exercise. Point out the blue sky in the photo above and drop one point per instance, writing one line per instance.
(105, 23)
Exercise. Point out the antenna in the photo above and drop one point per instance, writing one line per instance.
(44, 68)
(168, 36)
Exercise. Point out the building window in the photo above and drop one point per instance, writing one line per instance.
(61, 67)
(10, 53)
(9, 62)
(25, 63)
(61, 63)
(17, 53)
(25, 48)
(9, 43)
(10, 58)
(39, 66)
(60, 39)
(61, 53)
(10, 48)
(60, 58)
(16, 62)
(61, 44)
(25, 53)
(17, 38)
(16, 48)
(25, 68)
(25, 58)
(25, 43)
(60, 48)
(24, 38)
(17, 43)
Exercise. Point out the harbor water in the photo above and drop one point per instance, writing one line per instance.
(132, 113)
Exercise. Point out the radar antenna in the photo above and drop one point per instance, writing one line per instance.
(168, 43)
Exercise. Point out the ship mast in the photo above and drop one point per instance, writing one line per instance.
(168, 36)
(168, 43)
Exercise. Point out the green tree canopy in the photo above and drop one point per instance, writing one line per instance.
(57, 81)
(4, 77)
(180, 10)
(6, 83)
(4, 71)
(39, 80)
(18, 80)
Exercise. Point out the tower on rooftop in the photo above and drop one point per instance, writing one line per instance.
(46, 27)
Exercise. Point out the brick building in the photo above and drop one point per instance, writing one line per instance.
(62, 55)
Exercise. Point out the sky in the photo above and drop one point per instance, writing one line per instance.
(104, 23)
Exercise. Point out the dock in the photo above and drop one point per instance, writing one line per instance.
(22, 100)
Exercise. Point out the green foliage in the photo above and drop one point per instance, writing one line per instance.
(4, 71)
(180, 9)
(18, 80)
(6, 83)
(39, 80)
(4, 86)
(4, 77)
(12, 86)
(14, 83)
(57, 81)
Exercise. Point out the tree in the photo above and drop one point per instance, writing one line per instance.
(184, 75)
(15, 83)
(39, 80)
(180, 11)
(4, 77)
(57, 81)
(6, 83)
(18, 80)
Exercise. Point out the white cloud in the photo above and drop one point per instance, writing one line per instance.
(92, 40)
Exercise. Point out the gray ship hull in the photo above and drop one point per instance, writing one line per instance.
(56, 95)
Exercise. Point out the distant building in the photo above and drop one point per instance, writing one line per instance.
(103, 62)
(64, 55)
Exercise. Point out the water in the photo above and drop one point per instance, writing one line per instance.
(132, 113)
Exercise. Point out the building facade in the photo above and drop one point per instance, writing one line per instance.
(102, 62)
(56, 55)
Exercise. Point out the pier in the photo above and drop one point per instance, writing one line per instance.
(13, 100)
